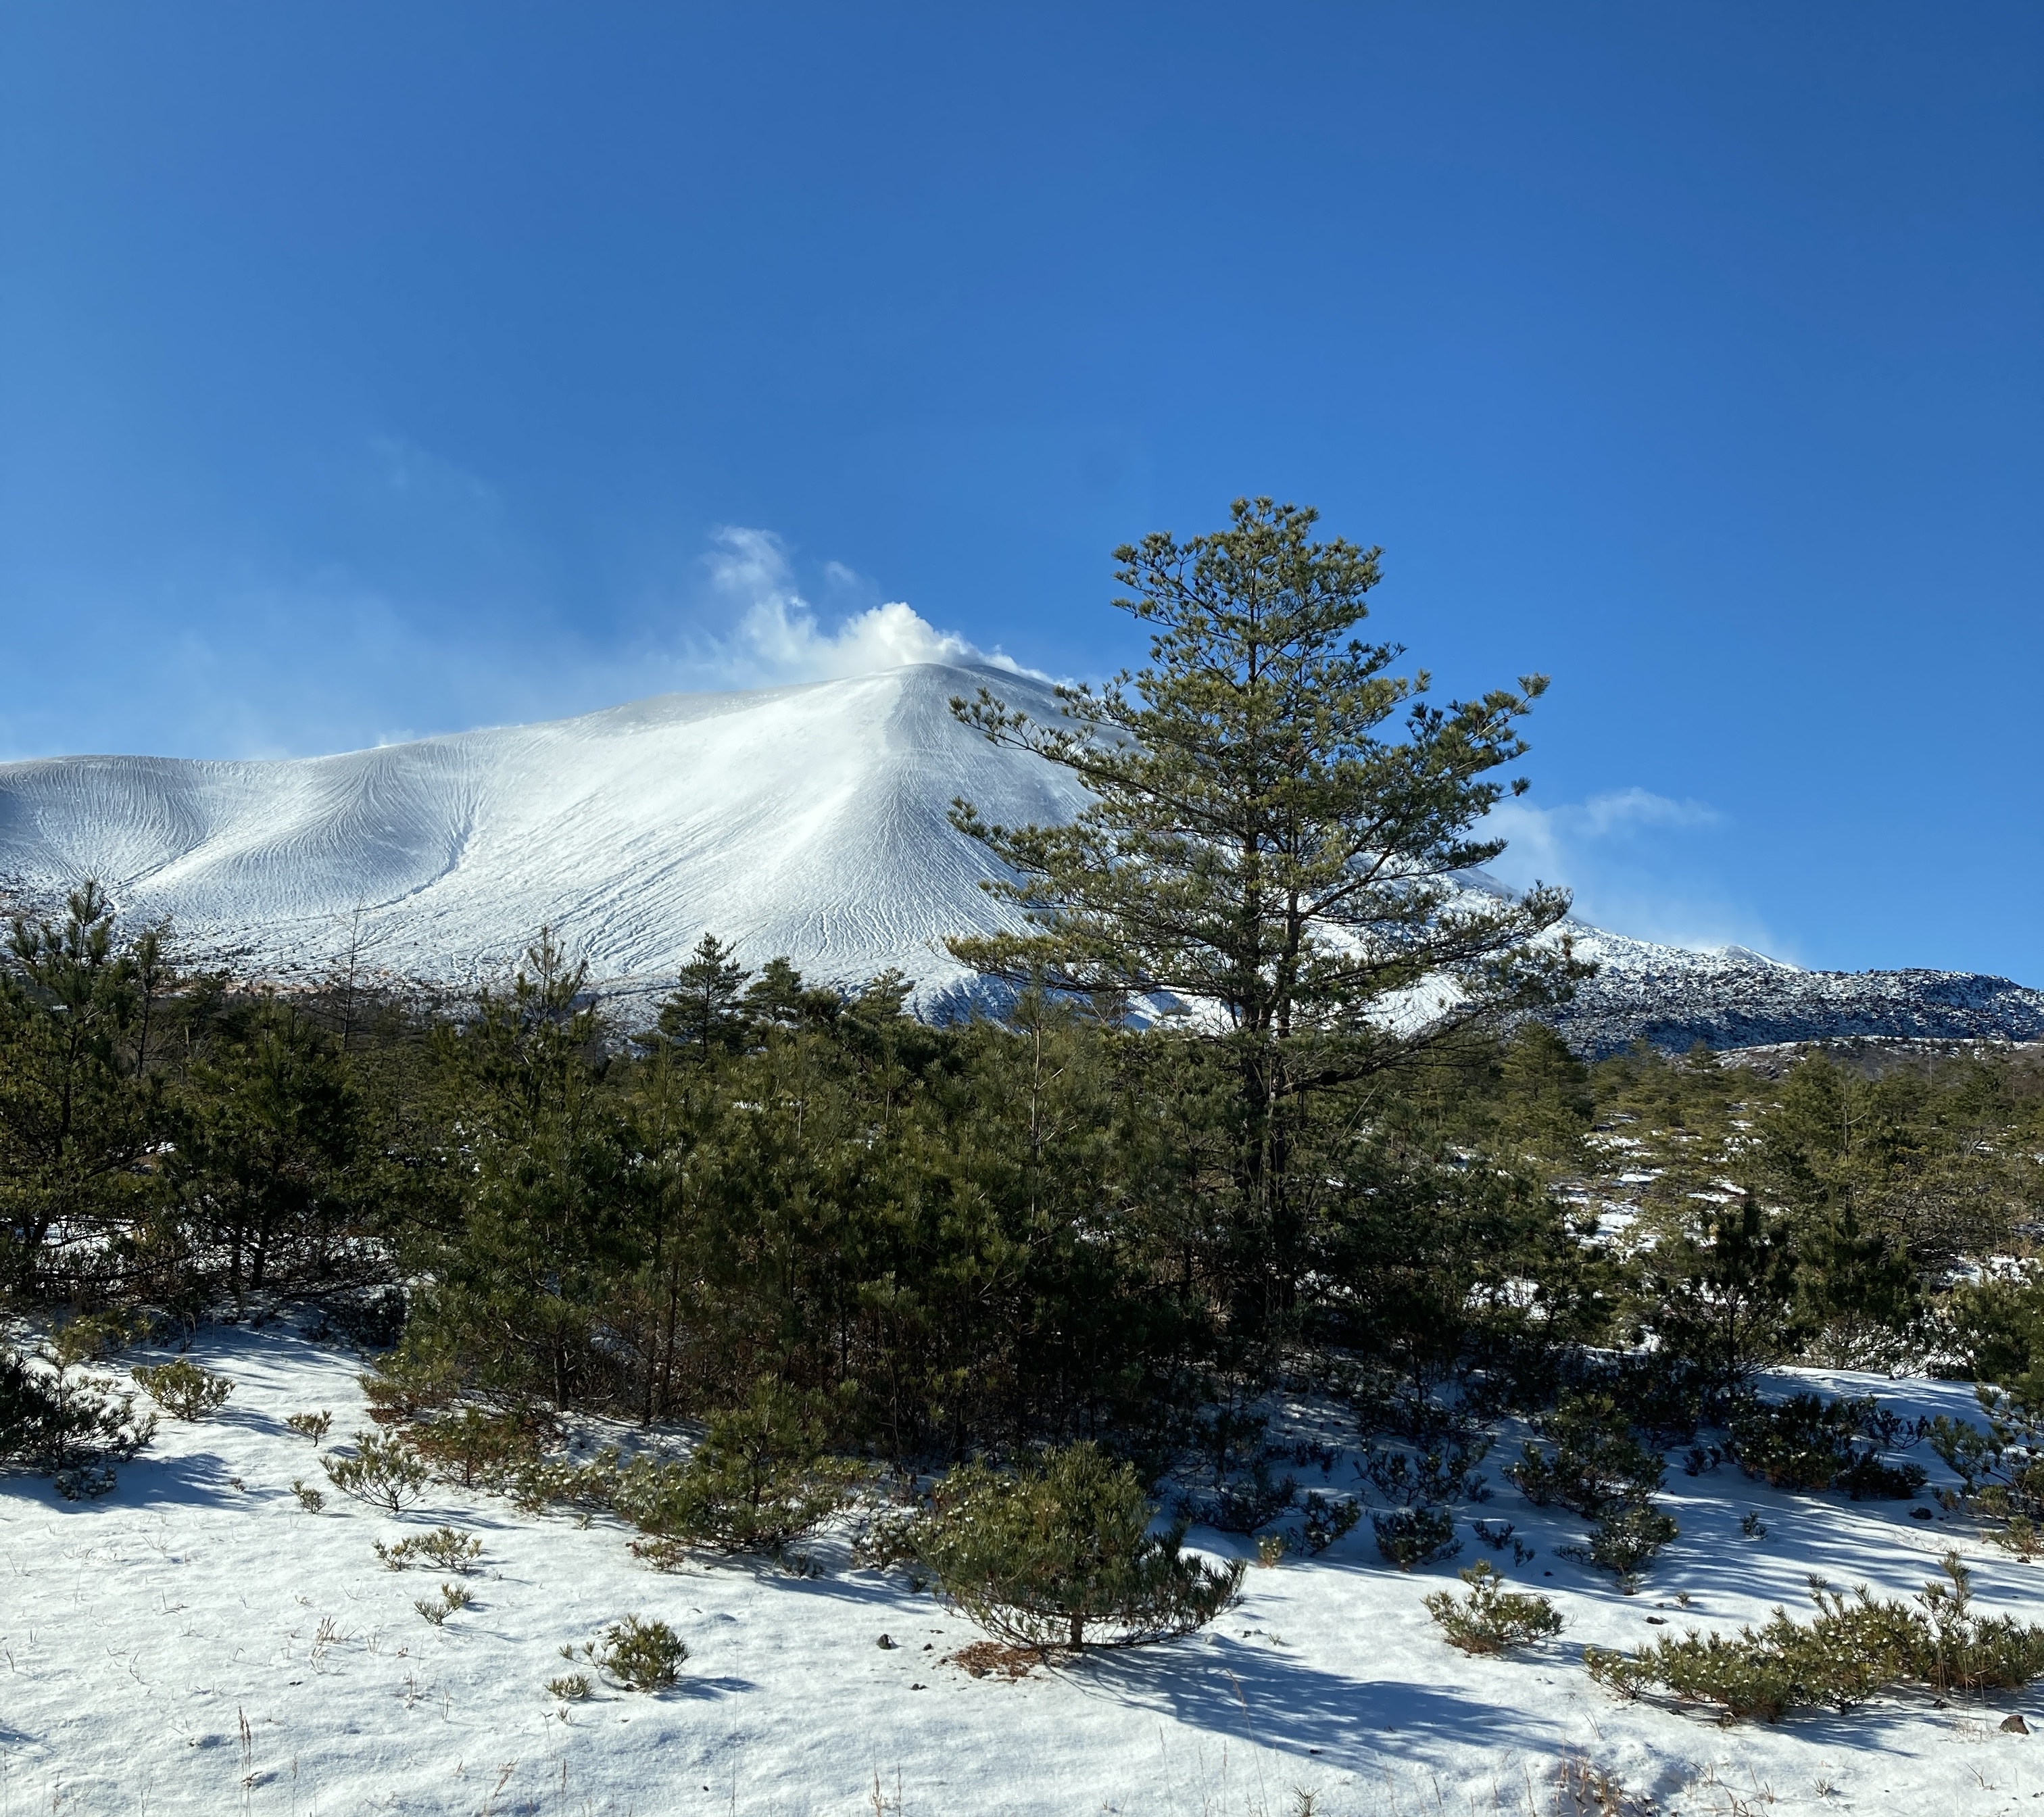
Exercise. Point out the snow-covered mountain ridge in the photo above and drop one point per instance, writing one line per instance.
(808, 821)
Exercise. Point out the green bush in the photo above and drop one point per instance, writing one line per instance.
(1625, 1541)
(384, 1472)
(412, 1380)
(759, 1479)
(2001, 1469)
(476, 1448)
(1854, 1648)
(1601, 1470)
(1322, 1522)
(1597, 1464)
(638, 1654)
(1411, 1537)
(1806, 1443)
(448, 1547)
(184, 1390)
(63, 1421)
(1492, 1619)
(1060, 1553)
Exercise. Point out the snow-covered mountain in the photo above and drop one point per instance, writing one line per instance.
(804, 820)
(1672, 997)
(809, 820)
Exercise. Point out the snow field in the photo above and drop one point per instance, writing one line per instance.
(198, 1642)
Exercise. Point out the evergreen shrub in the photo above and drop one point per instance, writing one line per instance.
(1854, 1648)
(2001, 1468)
(639, 1654)
(1411, 1537)
(476, 1448)
(448, 1547)
(1597, 1464)
(1625, 1541)
(384, 1472)
(1491, 1619)
(1806, 1443)
(184, 1390)
(64, 1421)
(1323, 1520)
(412, 1380)
(1058, 1554)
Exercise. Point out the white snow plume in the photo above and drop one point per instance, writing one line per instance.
(775, 637)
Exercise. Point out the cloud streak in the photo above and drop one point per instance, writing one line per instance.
(1634, 860)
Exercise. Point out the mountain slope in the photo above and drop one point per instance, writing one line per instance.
(805, 820)
(808, 821)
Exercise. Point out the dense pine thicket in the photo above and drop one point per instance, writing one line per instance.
(967, 1236)
(1090, 1216)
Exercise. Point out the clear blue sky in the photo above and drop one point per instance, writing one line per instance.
(372, 370)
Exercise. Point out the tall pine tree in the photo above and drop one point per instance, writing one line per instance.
(1277, 828)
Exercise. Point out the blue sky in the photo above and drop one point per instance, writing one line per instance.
(376, 369)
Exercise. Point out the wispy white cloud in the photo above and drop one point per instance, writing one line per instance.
(1636, 863)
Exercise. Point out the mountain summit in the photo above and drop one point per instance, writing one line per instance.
(810, 820)
(807, 821)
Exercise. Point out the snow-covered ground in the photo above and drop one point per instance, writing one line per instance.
(197, 1642)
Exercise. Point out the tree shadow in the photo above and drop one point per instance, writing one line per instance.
(1283, 1704)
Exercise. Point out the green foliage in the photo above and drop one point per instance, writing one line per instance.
(1625, 1541)
(1059, 1553)
(759, 1479)
(704, 1016)
(452, 1600)
(475, 1447)
(78, 1111)
(263, 1161)
(63, 1420)
(639, 1654)
(1411, 1537)
(313, 1426)
(2000, 1467)
(1597, 1464)
(1491, 1619)
(1256, 838)
(1323, 1521)
(570, 1687)
(414, 1379)
(1723, 1292)
(384, 1472)
(1853, 1648)
(1997, 1324)
(1601, 1470)
(448, 1547)
(184, 1390)
(309, 1498)
(1808, 1442)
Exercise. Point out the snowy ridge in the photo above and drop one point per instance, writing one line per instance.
(1672, 999)
(806, 820)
